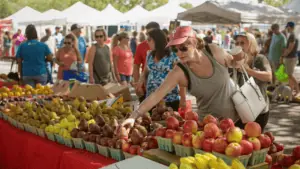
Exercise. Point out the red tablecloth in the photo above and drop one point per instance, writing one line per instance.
(22, 150)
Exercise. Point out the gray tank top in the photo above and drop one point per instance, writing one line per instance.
(213, 94)
(102, 66)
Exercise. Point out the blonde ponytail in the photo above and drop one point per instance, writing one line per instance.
(115, 41)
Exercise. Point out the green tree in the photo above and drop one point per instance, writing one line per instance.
(276, 3)
(186, 5)
(5, 9)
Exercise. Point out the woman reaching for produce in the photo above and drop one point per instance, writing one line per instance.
(203, 71)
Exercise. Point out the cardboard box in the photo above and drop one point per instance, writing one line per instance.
(89, 91)
(61, 87)
(136, 162)
(118, 90)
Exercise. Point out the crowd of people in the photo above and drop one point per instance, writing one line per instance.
(163, 66)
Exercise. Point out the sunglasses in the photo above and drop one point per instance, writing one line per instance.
(99, 36)
(67, 43)
(239, 43)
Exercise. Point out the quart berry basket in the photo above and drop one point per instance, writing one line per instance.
(199, 151)
(228, 160)
(89, 146)
(165, 144)
(258, 157)
(78, 143)
(128, 155)
(183, 151)
(50, 136)
(41, 132)
(103, 150)
(116, 154)
(59, 139)
(68, 142)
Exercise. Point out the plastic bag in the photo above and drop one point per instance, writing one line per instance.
(281, 74)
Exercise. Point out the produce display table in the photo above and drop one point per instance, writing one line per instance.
(22, 150)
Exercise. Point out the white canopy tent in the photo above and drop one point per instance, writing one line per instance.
(50, 17)
(135, 14)
(294, 5)
(108, 16)
(234, 13)
(24, 14)
(164, 14)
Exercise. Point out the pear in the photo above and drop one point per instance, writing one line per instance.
(83, 125)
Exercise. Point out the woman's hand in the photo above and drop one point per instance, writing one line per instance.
(130, 121)
(182, 104)
(139, 88)
(92, 81)
(118, 77)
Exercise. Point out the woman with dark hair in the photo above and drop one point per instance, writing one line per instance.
(160, 61)
(6, 43)
(100, 63)
(31, 57)
(67, 55)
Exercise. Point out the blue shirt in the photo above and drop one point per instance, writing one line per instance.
(81, 46)
(158, 73)
(33, 54)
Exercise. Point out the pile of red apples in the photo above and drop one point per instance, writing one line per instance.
(210, 135)
(287, 160)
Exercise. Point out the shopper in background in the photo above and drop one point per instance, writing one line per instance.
(122, 58)
(258, 67)
(140, 58)
(290, 57)
(266, 46)
(133, 42)
(58, 36)
(31, 57)
(142, 34)
(99, 59)
(7, 43)
(277, 46)
(50, 41)
(208, 38)
(18, 38)
(67, 55)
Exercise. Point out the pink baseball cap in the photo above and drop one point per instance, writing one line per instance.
(180, 35)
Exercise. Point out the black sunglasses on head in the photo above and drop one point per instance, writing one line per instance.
(99, 36)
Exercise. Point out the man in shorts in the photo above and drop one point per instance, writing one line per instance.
(277, 46)
(290, 57)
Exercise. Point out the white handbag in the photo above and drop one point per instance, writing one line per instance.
(248, 99)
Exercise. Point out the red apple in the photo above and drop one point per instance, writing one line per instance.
(247, 147)
(272, 149)
(187, 139)
(234, 134)
(296, 153)
(245, 137)
(279, 146)
(177, 138)
(191, 116)
(200, 125)
(207, 144)
(152, 144)
(270, 135)
(286, 160)
(134, 149)
(211, 130)
(170, 133)
(210, 119)
(265, 141)
(253, 129)
(161, 132)
(255, 142)
(268, 159)
(145, 146)
(190, 126)
(198, 139)
(140, 151)
(125, 147)
(226, 124)
(220, 145)
(233, 150)
(172, 123)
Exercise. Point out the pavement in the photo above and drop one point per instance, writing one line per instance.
(284, 120)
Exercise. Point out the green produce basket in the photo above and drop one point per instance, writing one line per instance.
(128, 155)
(89, 146)
(32, 130)
(258, 157)
(20, 126)
(228, 160)
(116, 154)
(165, 144)
(12, 121)
(68, 142)
(59, 139)
(199, 151)
(50, 136)
(41, 132)
(1, 115)
(5, 116)
(183, 151)
(78, 143)
(26, 126)
(103, 150)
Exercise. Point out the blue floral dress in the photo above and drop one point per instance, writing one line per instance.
(157, 74)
